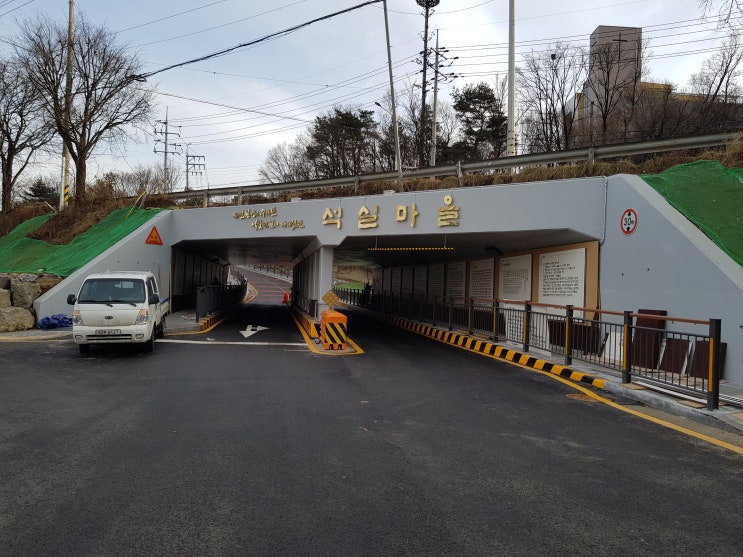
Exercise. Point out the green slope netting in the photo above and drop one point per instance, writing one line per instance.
(19, 254)
(710, 196)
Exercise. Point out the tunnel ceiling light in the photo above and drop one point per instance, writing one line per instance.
(442, 248)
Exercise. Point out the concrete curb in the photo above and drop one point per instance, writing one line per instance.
(310, 325)
(496, 350)
(37, 335)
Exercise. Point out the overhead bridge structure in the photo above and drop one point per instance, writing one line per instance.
(601, 242)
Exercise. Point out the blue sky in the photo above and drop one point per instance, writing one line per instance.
(232, 109)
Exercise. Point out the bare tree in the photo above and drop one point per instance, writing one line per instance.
(104, 97)
(716, 81)
(24, 130)
(728, 10)
(659, 113)
(166, 182)
(287, 163)
(716, 86)
(551, 82)
(141, 179)
(409, 125)
(447, 129)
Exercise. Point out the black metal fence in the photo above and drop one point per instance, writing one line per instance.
(686, 359)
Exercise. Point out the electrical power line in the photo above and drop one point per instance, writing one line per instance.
(257, 41)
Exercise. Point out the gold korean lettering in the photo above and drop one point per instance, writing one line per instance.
(333, 217)
(449, 214)
(402, 214)
(254, 214)
(367, 219)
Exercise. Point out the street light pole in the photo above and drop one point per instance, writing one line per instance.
(398, 159)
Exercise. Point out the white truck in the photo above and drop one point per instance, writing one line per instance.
(118, 307)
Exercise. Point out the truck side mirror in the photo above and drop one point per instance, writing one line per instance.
(154, 299)
(71, 299)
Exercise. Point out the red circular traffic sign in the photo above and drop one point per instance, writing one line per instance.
(629, 221)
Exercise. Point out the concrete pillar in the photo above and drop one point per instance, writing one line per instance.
(323, 276)
(301, 273)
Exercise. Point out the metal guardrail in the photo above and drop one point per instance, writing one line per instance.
(688, 363)
(589, 154)
(274, 270)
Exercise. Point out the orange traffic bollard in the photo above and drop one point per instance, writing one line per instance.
(333, 330)
(286, 297)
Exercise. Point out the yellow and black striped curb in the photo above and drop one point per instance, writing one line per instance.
(310, 325)
(206, 322)
(496, 351)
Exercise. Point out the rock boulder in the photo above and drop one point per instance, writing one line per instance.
(24, 293)
(15, 319)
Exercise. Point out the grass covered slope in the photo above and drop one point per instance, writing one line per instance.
(21, 254)
(709, 195)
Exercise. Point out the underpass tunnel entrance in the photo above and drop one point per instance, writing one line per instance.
(191, 271)
(211, 269)
(394, 264)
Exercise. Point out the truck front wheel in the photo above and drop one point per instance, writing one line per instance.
(149, 346)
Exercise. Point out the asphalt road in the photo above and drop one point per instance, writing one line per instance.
(223, 444)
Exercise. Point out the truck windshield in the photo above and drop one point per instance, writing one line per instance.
(100, 290)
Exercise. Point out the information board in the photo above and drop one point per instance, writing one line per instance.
(420, 280)
(436, 281)
(514, 278)
(562, 277)
(396, 279)
(482, 274)
(387, 280)
(455, 279)
(407, 280)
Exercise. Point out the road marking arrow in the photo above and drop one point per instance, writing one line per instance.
(250, 330)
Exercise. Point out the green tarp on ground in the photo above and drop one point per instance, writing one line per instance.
(711, 197)
(19, 254)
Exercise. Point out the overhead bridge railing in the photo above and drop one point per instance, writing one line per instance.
(643, 346)
(239, 194)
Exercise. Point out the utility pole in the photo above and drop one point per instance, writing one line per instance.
(398, 157)
(64, 190)
(435, 102)
(165, 131)
(426, 5)
(436, 76)
(193, 166)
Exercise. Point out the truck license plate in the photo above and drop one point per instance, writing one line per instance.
(108, 331)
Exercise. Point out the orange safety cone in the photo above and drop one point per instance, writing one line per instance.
(286, 297)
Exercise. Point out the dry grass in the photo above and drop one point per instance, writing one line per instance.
(83, 214)
(8, 221)
(731, 156)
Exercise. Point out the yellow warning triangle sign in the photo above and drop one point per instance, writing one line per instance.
(154, 237)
